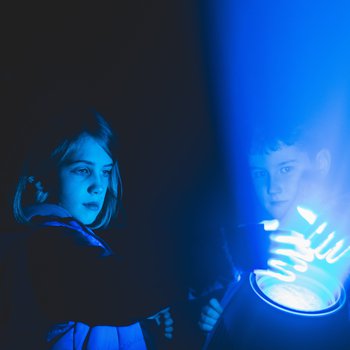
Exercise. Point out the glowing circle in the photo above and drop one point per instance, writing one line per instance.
(304, 296)
(295, 296)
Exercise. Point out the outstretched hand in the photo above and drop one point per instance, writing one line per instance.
(289, 252)
(210, 315)
(329, 236)
(324, 237)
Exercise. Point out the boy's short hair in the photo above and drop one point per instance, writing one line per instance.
(53, 147)
(269, 137)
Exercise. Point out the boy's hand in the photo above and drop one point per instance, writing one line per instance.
(329, 237)
(210, 315)
(312, 237)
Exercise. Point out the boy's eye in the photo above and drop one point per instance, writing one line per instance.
(258, 173)
(286, 169)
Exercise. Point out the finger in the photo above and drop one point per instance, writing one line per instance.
(169, 329)
(167, 309)
(205, 327)
(168, 322)
(337, 253)
(214, 303)
(286, 259)
(290, 239)
(155, 318)
(270, 225)
(208, 320)
(167, 315)
(167, 335)
(318, 229)
(327, 239)
(210, 312)
(294, 259)
(308, 215)
(294, 254)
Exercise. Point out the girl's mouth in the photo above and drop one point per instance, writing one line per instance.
(94, 206)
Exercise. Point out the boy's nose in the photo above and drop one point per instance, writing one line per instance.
(274, 186)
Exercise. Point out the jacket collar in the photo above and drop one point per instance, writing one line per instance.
(46, 210)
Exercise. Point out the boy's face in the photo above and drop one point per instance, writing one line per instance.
(84, 179)
(278, 178)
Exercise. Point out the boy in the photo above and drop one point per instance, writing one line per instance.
(290, 167)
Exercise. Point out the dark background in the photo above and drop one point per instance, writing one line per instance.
(144, 66)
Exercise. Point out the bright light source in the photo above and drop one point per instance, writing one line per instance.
(307, 214)
(304, 296)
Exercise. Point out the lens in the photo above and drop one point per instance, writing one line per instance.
(305, 296)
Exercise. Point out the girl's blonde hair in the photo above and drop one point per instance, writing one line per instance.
(39, 179)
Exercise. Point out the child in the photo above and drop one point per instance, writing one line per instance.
(289, 167)
(85, 296)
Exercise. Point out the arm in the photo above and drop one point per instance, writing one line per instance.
(75, 281)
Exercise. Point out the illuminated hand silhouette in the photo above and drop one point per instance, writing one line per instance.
(292, 251)
(210, 315)
(289, 252)
(328, 241)
(163, 319)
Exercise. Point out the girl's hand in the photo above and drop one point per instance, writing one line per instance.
(210, 315)
(168, 323)
(163, 319)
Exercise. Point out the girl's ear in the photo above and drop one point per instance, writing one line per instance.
(323, 161)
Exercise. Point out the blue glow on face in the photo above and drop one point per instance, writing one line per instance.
(276, 62)
(277, 178)
(84, 179)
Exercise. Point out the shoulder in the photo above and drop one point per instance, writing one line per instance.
(65, 232)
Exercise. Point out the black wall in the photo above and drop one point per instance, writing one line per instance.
(143, 65)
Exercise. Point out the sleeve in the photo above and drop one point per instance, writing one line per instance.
(75, 281)
(248, 246)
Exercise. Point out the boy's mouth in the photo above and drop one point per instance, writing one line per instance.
(278, 203)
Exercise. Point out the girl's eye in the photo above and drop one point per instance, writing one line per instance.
(82, 171)
(107, 172)
(286, 169)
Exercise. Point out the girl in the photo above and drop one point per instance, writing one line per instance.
(85, 297)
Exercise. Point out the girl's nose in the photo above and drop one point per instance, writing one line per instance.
(96, 187)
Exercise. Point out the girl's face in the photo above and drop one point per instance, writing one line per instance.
(84, 179)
